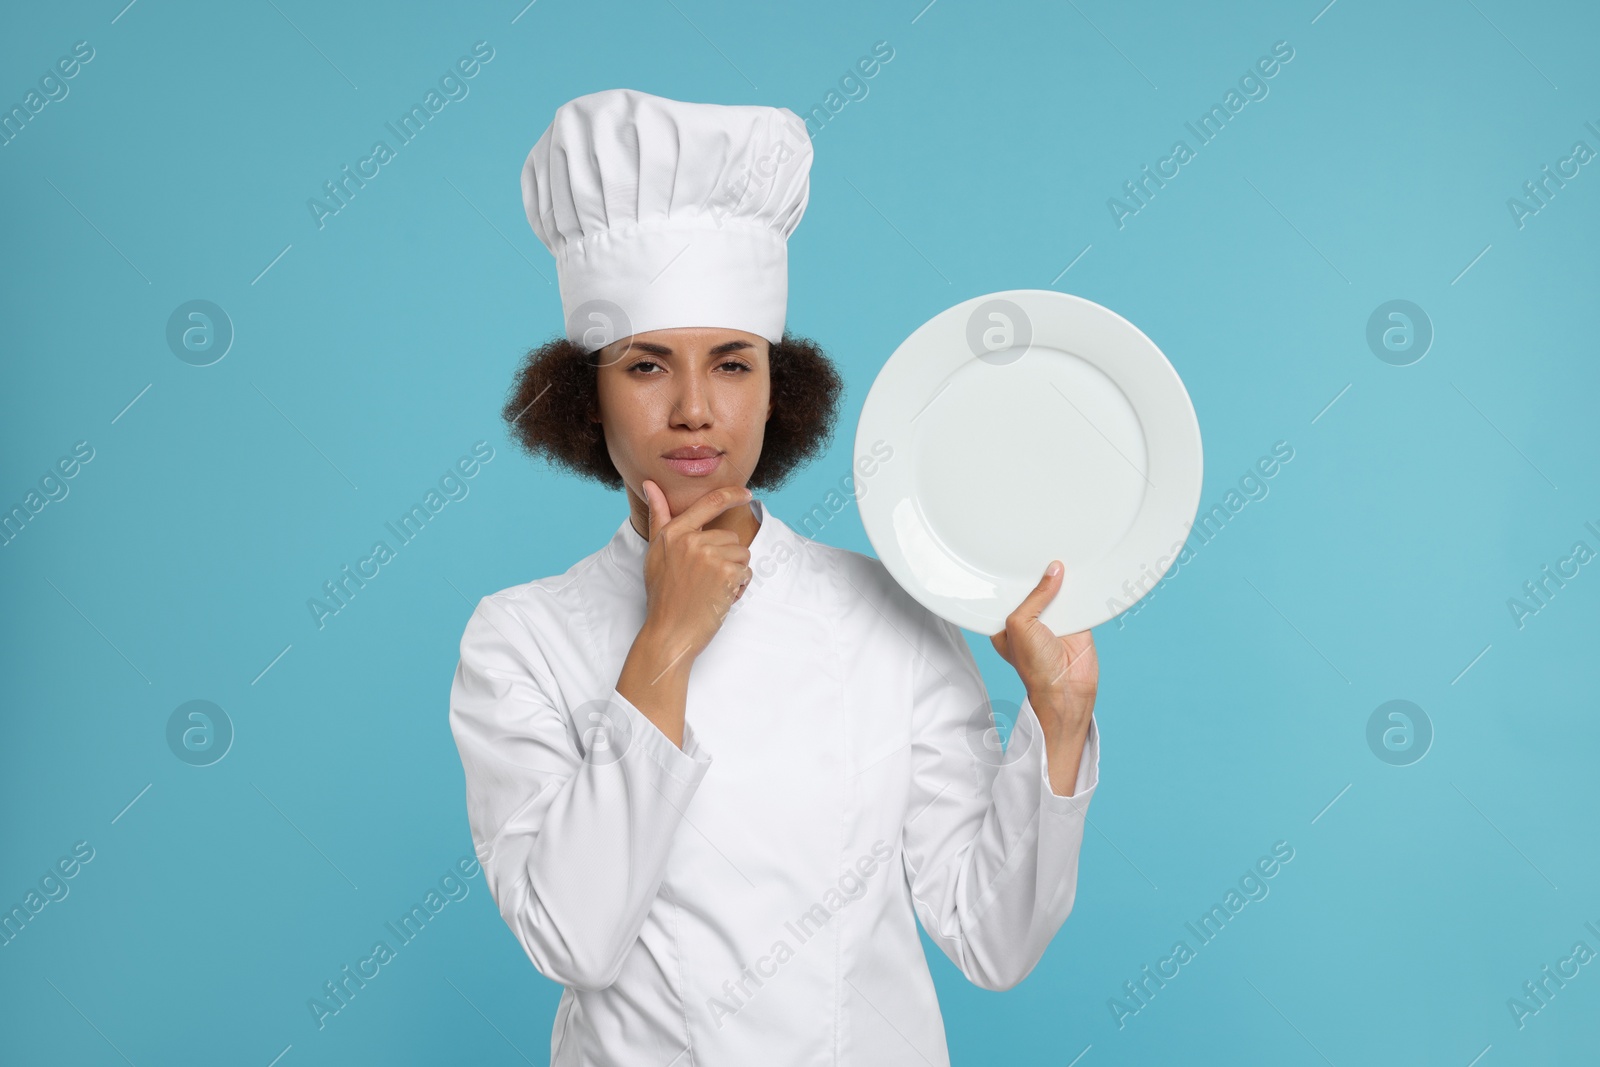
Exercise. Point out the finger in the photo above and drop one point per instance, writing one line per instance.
(734, 553)
(711, 505)
(1042, 593)
(660, 513)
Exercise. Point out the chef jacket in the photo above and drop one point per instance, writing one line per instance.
(747, 899)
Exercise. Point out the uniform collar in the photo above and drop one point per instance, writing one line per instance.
(772, 546)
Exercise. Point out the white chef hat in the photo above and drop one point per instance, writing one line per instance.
(664, 214)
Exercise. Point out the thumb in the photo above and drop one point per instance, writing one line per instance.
(1042, 594)
(660, 513)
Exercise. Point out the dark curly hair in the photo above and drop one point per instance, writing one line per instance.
(555, 392)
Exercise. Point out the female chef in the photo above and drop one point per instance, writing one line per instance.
(716, 768)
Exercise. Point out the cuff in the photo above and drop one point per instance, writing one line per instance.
(1088, 765)
(691, 743)
(639, 735)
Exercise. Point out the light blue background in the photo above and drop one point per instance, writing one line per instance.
(377, 350)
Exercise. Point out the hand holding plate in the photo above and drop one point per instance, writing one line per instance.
(1061, 674)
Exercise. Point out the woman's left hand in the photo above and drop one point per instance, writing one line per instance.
(1061, 674)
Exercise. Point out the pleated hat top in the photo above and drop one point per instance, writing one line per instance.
(664, 214)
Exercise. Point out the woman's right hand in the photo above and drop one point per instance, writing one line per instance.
(692, 575)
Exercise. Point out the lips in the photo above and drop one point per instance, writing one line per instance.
(696, 461)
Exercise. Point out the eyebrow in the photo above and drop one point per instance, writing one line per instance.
(665, 350)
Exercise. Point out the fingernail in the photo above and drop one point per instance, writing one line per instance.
(1053, 570)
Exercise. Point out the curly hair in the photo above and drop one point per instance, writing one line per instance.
(555, 391)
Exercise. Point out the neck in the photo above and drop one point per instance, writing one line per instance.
(741, 520)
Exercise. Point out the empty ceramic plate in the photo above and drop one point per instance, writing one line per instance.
(1020, 427)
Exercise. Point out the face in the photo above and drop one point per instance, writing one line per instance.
(686, 408)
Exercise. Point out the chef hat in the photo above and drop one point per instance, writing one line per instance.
(664, 214)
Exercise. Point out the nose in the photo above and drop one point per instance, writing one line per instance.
(691, 407)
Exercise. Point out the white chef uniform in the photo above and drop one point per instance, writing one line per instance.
(748, 899)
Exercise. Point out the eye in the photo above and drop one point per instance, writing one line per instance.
(737, 365)
(643, 363)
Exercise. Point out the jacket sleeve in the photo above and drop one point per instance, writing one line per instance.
(991, 851)
(572, 820)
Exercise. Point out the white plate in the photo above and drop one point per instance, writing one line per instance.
(1020, 427)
